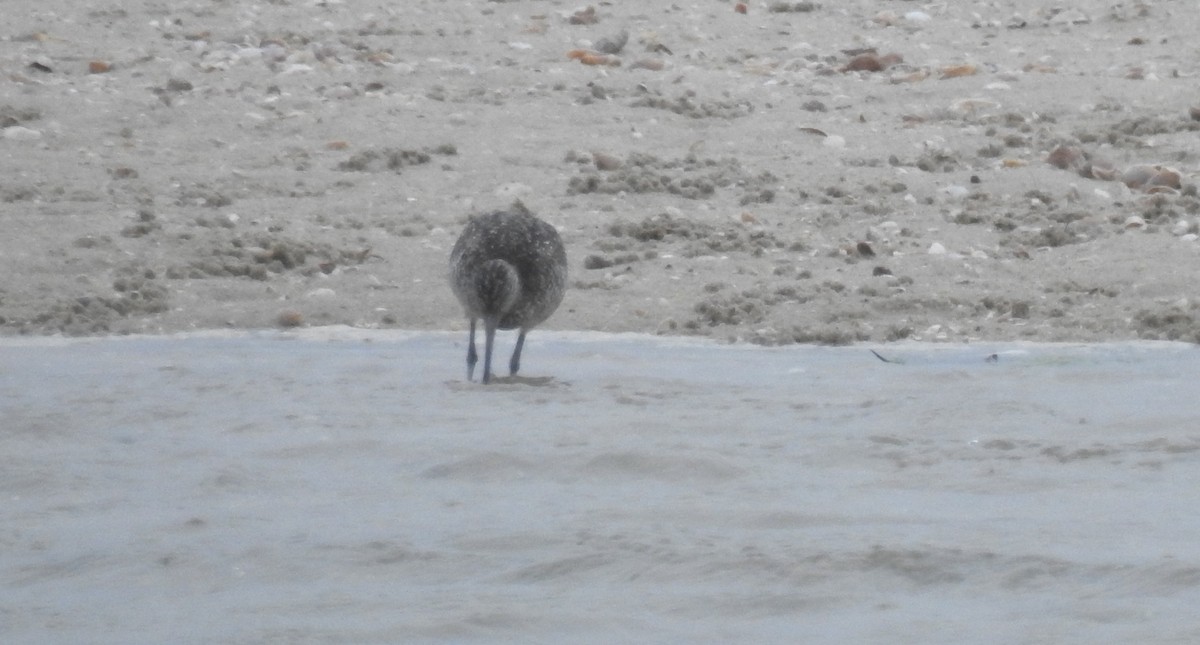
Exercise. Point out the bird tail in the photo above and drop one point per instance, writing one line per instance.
(498, 286)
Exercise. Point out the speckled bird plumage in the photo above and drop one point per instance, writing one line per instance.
(509, 269)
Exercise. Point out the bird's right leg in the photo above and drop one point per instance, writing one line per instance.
(472, 357)
(515, 363)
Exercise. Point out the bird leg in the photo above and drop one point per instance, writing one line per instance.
(515, 363)
(472, 357)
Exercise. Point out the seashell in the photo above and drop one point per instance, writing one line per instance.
(1014, 163)
(1100, 168)
(911, 77)
(834, 141)
(652, 64)
(957, 71)
(1152, 177)
(1040, 68)
(1135, 221)
(973, 105)
(99, 67)
(887, 18)
(588, 57)
(337, 145)
(1166, 177)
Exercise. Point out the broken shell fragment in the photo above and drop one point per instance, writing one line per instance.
(956, 71)
(652, 64)
(1151, 178)
(588, 57)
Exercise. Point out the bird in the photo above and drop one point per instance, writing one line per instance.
(508, 269)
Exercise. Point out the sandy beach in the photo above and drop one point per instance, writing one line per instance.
(739, 176)
(232, 369)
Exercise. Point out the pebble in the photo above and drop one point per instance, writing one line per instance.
(834, 141)
(323, 292)
(605, 161)
(1070, 17)
(937, 248)
(955, 192)
(290, 318)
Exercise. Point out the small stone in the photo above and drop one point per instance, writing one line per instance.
(178, 85)
(99, 67)
(937, 248)
(612, 45)
(605, 161)
(290, 318)
(834, 141)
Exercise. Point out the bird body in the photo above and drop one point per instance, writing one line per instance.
(508, 269)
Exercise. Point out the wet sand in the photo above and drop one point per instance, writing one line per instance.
(344, 485)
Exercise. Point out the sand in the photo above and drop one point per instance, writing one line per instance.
(208, 165)
(939, 183)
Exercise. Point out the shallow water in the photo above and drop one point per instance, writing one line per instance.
(339, 485)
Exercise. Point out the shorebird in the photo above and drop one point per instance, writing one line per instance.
(509, 269)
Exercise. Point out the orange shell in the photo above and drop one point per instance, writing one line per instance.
(593, 58)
